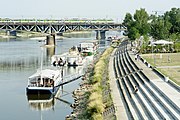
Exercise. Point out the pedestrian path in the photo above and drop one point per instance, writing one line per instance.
(120, 111)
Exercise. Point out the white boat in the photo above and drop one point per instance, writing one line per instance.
(59, 60)
(71, 58)
(74, 57)
(75, 60)
(44, 82)
(88, 48)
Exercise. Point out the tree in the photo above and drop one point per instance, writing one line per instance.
(133, 33)
(127, 22)
(160, 27)
(173, 16)
(138, 26)
(141, 18)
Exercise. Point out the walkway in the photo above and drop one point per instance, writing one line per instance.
(119, 107)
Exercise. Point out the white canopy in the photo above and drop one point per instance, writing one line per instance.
(46, 73)
(161, 42)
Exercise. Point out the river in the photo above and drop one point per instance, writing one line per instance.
(20, 58)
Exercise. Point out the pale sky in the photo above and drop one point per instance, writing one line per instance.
(59, 9)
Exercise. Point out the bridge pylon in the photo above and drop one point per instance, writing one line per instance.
(11, 33)
(101, 34)
(50, 40)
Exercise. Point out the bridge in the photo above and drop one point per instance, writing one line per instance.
(59, 26)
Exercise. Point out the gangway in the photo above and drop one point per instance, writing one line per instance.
(69, 78)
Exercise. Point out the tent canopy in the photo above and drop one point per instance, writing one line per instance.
(162, 42)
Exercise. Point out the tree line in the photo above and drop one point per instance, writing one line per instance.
(166, 26)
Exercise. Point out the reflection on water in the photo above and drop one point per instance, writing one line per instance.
(41, 102)
(46, 101)
(50, 51)
(18, 60)
(79, 35)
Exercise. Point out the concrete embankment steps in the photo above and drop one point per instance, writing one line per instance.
(169, 110)
(141, 85)
(134, 106)
(150, 102)
(160, 98)
(157, 82)
(130, 88)
(143, 108)
(135, 83)
(118, 101)
(124, 92)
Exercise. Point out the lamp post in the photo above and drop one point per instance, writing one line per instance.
(153, 54)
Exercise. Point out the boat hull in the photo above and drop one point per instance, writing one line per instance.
(39, 97)
(32, 90)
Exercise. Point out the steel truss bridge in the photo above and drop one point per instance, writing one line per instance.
(59, 27)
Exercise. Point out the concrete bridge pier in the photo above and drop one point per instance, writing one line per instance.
(11, 33)
(50, 51)
(101, 34)
(50, 40)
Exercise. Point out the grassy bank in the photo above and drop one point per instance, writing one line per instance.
(97, 97)
(167, 63)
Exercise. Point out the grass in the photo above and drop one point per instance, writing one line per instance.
(95, 101)
(163, 59)
(167, 63)
(173, 73)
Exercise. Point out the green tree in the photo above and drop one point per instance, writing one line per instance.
(138, 26)
(133, 33)
(128, 20)
(173, 16)
(160, 27)
(127, 23)
(141, 18)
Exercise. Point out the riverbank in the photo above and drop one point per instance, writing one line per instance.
(93, 99)
(41, 36)
(21, 34)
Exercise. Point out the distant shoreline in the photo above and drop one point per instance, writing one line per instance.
(39, 36)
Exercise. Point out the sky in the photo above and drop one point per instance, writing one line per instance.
(94, 9)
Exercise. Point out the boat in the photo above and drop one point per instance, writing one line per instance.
(59, 60)
(71, 58)
(44, 81)
(74, 57)
(88, 48)
(75, 60)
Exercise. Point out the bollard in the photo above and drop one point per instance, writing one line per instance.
(166, 79)
(144, 61)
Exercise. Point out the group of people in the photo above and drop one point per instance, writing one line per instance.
(59, 62)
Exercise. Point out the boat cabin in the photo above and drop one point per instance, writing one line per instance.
(44, 78)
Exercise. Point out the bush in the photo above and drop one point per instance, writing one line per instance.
(95, 105)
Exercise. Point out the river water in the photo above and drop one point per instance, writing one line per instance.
(20, 58)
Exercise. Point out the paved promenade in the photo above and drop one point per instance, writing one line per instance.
(119, 107)
(168, 90)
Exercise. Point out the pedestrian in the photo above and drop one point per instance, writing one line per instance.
(135, 89)
(136, 57)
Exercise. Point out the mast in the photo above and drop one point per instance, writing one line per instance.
(41, 82)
